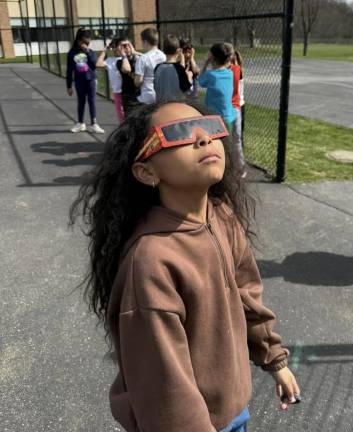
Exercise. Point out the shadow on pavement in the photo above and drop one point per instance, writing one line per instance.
(311, 268)
(325, 376)
(60, 149)
(319, 354)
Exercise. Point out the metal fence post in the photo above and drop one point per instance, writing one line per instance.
(46, 42)
(158, 23)
(38, 33)
(285, 84)
(23, 29)
(107, 85)
(55, 29)
(29, 32)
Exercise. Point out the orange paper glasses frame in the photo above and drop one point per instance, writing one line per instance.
(213, 125)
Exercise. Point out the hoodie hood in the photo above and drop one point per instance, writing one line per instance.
(161, 220)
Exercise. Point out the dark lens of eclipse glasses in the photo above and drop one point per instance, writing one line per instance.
(184, 130)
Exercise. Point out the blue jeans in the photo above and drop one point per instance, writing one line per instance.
(237, 135)
(238, 424)
(86, 90)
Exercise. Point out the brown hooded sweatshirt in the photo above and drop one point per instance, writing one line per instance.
(185, 314)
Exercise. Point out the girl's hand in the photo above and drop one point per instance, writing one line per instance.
(84, 47)
(190, 75)
(193, 53)
(133, 51)
(70, 92)
(286, 384)
(208, 59)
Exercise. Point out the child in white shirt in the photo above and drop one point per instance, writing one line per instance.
(114, 75)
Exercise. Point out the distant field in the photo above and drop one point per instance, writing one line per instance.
(318, 51)
(325, 52)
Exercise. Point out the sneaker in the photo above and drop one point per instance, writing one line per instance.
(79, 127)
(95, 128)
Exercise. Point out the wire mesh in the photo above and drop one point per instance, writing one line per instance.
(261, 73)
(254, 27)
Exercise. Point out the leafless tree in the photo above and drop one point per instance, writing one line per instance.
(309, 10)
(249, 7)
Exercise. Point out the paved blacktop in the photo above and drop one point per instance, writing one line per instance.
(322, 90)
(54, 371)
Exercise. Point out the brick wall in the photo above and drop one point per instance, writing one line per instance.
(5, 32)
(141, 10)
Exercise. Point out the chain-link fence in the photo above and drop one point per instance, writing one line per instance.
(261, 31)
(257, 30)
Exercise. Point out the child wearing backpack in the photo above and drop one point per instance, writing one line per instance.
(173, 278)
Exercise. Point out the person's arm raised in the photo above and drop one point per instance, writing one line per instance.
(100, 60)
(194, 67)
(139, 72)
(125, 65)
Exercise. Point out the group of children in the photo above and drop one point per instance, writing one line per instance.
(171, 74)
(172, 276)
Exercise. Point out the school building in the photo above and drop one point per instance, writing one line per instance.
(19, 21)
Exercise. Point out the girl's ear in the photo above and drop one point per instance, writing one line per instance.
(145, 174)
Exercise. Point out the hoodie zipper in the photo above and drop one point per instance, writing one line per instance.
(219, 250)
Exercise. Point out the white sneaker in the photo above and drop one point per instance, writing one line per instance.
(95, 128)
(79, 127)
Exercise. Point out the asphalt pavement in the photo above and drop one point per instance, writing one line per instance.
(322, 90)
(54, 371)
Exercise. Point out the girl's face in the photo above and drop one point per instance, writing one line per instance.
(187, 53)
(117, 51)
(84, 43)
(197, 166)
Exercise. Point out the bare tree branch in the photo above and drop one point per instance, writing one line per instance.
(309, 10)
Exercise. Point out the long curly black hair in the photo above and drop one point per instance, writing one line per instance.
(112, 201)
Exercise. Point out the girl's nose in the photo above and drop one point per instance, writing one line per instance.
(202, 139)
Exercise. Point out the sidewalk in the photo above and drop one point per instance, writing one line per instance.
(54, 374)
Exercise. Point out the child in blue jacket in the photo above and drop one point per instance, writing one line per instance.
(219, 83)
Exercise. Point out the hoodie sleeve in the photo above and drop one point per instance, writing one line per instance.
(265, 346)
(184, 83)
(69, 70)
(203, 79)
(91, 59)
(155, 356)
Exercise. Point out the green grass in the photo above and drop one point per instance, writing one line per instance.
(20, 59)
(307, 143)
(261, 51)
(307, 140)
(337, 52)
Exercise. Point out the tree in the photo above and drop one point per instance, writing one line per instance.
(249, 7)
(309, 10)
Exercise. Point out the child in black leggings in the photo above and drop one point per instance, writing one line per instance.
(81, 65)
